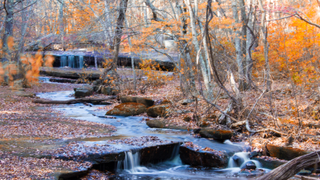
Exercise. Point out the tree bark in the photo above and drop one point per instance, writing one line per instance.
(25, 20)
(8, 5)
(292, 167)
(117, 37)
(239, 54)
(61, 25)
(204, 68)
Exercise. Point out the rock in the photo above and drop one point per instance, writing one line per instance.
(249, 165)
(146, 101)
(186, 101)
(106, 90)
(155, 123)
(203, 158)
(156, 154)
(158, 110)
(25, 94)
(219, 135)
(127, 109)
(269, 162)
(83, 91)
(253, 154)
(283, 152)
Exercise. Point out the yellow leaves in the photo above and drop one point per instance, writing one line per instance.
(10, 43)
(33, 65)
(49, 59)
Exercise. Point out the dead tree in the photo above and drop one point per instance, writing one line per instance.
(292, 167)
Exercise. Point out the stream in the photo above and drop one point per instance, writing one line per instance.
(173, 169)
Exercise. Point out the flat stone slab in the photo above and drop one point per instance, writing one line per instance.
(208, 153)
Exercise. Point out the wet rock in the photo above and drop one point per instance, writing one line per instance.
(83, 91)
(146, 101)
(219, 135)
(127, 109)
(283, 152)
(156, 123)
(203, 158)
(304, 173)
(158, 110)
(157, 154)
(269, 162)
(106, 90)
(249, 165)
(253, 154)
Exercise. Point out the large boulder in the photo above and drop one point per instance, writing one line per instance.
(127, 109)
(284, 152)
(156, 123)
(196, 156)
(158, 110)
(146, 101)
(83, 91)
(219, 135)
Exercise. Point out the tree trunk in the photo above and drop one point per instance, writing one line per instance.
(61, 26)
(117, 37)
(132, 59)
(8, 5)
(245, 85)
(292, 167)
(196, 43)
(239, 54)
(249, 46)
(25, 19)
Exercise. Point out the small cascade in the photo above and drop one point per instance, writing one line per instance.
(71, 62)
(131, 163)
(241, 160)
(80, 62)
(175, 156)
(63, 61)
(44, 79)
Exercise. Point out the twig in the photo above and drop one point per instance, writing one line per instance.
(247, 119)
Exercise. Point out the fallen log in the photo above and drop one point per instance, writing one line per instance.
(78, 100)
(292, 167)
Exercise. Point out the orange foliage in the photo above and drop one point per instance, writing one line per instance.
(293, 50)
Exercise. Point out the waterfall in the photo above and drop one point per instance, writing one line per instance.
(175, 156)
(239, 159)
(80, 62)
(63, 61)
(131, 163)
(71, 61)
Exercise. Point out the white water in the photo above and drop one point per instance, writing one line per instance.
(63, 61)
(243, 158)
(133, 126)
(71, 61)
(80, 62)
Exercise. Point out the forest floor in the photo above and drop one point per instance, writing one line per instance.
(26, 127)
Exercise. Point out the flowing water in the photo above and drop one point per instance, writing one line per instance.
(172, 169)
